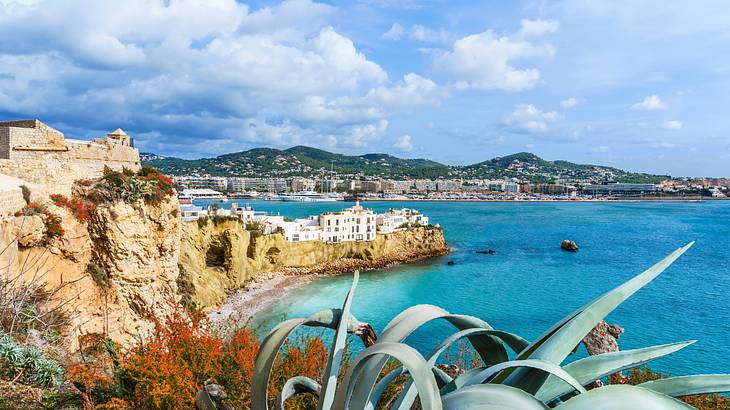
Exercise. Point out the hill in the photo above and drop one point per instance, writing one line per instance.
(313, 162)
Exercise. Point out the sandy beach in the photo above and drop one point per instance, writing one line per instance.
(243, 305)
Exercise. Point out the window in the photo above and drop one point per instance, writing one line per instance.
(328, 222)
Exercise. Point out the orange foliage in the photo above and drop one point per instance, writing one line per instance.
(81, 209)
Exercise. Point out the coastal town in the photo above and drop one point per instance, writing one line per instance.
(333, 189)
(353, 224)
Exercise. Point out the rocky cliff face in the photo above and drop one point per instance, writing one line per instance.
(111, 274)
(217, 259)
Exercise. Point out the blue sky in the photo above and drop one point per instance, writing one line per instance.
(641, 85)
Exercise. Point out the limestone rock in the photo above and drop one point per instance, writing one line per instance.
(569, 246)
(134, 247)
(603, 338)
(30, 230)
(220, 258)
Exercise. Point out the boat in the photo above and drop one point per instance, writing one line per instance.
(310, 196)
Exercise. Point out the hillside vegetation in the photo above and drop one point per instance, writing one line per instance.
(313, 162)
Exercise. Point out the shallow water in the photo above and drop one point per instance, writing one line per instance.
(530, 283)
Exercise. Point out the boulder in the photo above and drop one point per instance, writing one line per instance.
(30, 230)
(569, 246)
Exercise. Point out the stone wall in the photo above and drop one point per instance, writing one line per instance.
(39, 154)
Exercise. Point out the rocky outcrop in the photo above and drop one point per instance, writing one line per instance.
(112, 274)
(217, 259)
(568, 245)
(603, 338)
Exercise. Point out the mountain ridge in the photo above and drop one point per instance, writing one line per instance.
(314, 162)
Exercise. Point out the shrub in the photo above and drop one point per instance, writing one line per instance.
(638, 375)
(27, 363)
(172, 365)
(80, 208)
(148, 185)
(99, 275)
(51, 221)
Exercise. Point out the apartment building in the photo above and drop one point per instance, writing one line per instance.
(350, 224)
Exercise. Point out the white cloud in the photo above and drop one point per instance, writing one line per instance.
(404, 143)
(672, 124)
(530, 119)
(425, 34)
(569, 102)
(650, 103)
(193, 77)
(600, 149)
(394, 33)
(531, 28)
(485, 61)
(662, 144)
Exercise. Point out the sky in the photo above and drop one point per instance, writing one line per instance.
(640, 85)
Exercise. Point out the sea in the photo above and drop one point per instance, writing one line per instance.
(530, 283)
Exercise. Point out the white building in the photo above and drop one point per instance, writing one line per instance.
(303, 229)
(350, 224)
(201, 182)
(201, 193)
(192, 212)
(393, 219)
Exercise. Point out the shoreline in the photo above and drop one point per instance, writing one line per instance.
(242, 305)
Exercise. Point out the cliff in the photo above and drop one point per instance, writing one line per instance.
(217, 259)
(107, 268)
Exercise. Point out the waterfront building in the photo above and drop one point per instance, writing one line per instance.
(371, 186)
(240, 184)
(201, 193)
(425, 185)
(619, 189)
(402, 186)
(246, 213)
(393, 219)
(201, 182)
(303, 229)
(350, 224)
(190, 212)
(448, 185)
(298, 184)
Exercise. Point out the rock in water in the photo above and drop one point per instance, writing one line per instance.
(487, 252)
(451, 263)
(569, 246)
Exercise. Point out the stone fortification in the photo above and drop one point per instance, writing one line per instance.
(33, 151)
(217, 259)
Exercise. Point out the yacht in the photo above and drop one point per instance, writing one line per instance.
(310, 196)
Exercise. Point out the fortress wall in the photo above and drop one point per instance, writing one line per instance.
(40, 155)
(10, 202)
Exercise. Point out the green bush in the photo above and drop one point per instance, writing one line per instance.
(99, 275)
(27, 363)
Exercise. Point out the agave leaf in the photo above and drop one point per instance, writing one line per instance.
(408, 395)
(297, 385)
(461, 380)
(490, 348)
(592, 368)
(338, 344)
(491, 397)
(328, 318)
(411, 360)
(689, 385)
(622, 397)
(539, 365)
(557, 343)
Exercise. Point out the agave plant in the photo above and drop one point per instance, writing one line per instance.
(533, 379)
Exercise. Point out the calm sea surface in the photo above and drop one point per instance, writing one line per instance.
(530, 283)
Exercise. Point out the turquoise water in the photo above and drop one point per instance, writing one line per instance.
(530, 283)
